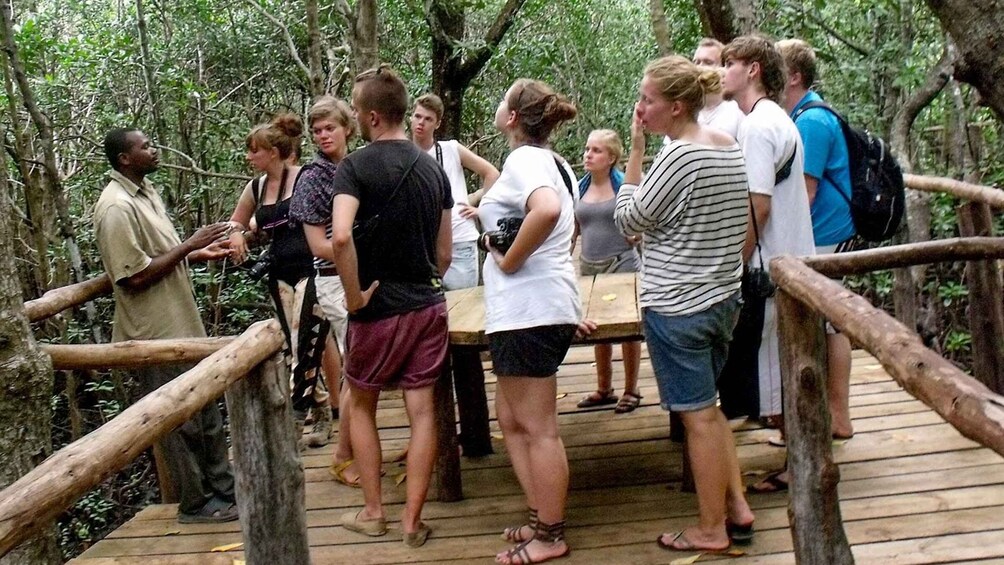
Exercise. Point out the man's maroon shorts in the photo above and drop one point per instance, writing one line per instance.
(404, 351)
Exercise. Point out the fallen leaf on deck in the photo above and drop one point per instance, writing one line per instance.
(172, 532)
(609, 297)
(228, 547)
(735, 552)
(686, 560)
(559, 397)
(238, 562)
(398, 479)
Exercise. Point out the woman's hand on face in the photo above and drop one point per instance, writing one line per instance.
(637, 129)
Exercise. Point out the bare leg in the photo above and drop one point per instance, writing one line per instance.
(514, 436)
(366, 443)
(331, 363)
(838, 384)
(531, 403)
(343, 451)
(419, 404)
(604, 366)
(707, 433)
(631, 351)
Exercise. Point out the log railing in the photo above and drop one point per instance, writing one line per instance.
(59, 299)
(267, 469)
(805, 297)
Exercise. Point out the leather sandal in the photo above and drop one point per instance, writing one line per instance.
(628, 402)
(598, 398)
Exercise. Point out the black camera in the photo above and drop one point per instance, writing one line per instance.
(503, 237)
(260, 267)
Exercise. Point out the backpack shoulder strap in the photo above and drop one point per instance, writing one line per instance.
(844, 128)
(565, 178)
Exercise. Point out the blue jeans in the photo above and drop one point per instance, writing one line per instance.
(688, 353)
(463, 271)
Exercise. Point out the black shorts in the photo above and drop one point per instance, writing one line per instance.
(530, 352)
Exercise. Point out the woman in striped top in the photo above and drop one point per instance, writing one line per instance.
(691, 212)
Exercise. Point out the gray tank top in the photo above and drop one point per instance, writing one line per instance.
(600, 237)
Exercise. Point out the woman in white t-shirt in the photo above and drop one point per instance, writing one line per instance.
(532, 309)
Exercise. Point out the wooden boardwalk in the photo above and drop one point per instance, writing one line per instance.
(912, 491)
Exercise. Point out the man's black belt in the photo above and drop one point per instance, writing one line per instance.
(327, 272)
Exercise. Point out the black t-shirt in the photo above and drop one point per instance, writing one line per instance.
(400, 249)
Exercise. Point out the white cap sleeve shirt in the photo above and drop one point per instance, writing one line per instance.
(545, 290)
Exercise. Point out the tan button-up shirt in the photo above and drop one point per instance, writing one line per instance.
(132, 227)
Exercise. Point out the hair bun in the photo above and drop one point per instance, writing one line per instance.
(560, 109)
(289, 124)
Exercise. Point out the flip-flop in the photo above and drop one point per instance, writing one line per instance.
(338, 472)
(598, 398)
(687, 544)
(770, 483)
(216, 510)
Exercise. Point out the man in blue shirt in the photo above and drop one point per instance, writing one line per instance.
(828, 182)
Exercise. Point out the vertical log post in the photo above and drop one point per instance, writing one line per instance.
(448, 484)
(472, 401)
(986, 309)
(817, 531)
(267, 467)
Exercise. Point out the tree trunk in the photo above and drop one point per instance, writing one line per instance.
(171, 198)
(657, 13)
(726, 20)
(314, 49)
(977, 28)
(452, 70)
(26, 379)
(365, 41)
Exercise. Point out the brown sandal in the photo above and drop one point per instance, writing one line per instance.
(628, 402)
(598, 398)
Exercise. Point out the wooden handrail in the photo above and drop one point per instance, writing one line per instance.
(59, 299)
(37, 498)
(907, 255)
(969, 406)
(993, 197)
(133, 354)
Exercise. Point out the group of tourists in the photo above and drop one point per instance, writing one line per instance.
(362, 245)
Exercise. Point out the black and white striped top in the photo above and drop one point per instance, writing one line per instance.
(691, 211)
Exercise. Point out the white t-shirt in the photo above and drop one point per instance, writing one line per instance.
(767, 137)
(463, 230)
(545, 290)
(726, 116)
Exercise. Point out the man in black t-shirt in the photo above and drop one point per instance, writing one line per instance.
(391, 235)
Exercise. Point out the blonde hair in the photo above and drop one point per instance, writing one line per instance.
(799, 57)
(611, 141)
(538, 108)
(282, 133)
(677, 78)
(330, 108)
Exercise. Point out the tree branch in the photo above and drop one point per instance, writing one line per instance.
(285, 33)
(936, 80)
(473, 64)
(194, 167)
(836, 35)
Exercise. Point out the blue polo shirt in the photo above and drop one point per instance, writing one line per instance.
(826, 160)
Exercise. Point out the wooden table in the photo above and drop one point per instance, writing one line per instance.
(611, 301)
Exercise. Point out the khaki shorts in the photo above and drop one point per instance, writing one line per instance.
(331, 298)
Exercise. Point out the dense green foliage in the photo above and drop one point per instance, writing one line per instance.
(219, 67)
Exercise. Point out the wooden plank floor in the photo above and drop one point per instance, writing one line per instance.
(912, 491)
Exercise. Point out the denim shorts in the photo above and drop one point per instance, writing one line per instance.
(463, 271)
(688, 353)
(530, 352)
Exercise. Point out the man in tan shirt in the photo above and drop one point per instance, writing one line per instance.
(148, 262)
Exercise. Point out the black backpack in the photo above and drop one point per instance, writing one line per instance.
(878, 196)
